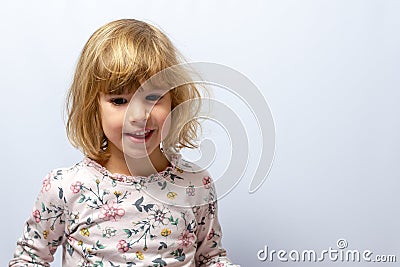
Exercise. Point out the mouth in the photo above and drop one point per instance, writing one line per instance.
(140, 136)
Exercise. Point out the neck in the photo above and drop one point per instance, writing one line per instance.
(146, 166)
(155, 162)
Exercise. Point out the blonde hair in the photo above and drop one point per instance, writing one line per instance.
(115, 59)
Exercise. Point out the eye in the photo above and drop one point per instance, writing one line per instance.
(119, 101)
(153, 97)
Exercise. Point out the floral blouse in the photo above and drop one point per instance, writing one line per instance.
(104, 219)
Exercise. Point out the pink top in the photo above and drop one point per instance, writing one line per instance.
(103, 219)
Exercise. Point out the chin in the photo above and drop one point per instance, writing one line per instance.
(136, 153)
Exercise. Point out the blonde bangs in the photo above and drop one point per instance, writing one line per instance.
(137, 53)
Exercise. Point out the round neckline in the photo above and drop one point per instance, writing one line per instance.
(173, 159)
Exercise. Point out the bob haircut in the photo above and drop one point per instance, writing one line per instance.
(116, 59)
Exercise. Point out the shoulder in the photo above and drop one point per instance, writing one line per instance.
(186, 184)
(61, 177)
(192, 170)
(188, 173)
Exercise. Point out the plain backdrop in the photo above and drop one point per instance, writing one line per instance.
(329, 70)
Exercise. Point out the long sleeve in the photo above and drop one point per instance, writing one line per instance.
(100, 218)
(209, 248)
(44, 229)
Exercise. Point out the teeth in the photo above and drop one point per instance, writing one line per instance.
(141, 133)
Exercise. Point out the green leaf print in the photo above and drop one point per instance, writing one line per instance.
(139, 201)
(37, 235)
(81, 199)
(162, 245)
(172, 221)
(163, 185)
(179, 255)
(137, 204)
(60, 193)
(159, 262)
(128, 232)
(70, 249)
(100, 246)
(148, 207)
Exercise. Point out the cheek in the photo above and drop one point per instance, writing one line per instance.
(164, 121)
(112, 124)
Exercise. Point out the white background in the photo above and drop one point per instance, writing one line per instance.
(329, 70)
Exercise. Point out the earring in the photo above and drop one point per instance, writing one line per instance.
(104, 144)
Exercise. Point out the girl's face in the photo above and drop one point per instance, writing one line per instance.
(135, 123)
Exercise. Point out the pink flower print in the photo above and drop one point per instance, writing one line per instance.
(211, 234)
(76, 187)
(120, 177)
(53, 249)
(207, 182)
(111, 210)
(186, 239)
(191, 191)
(220, 264)
(36, 215)
(71, 240)
(122, 246)
(46, 184)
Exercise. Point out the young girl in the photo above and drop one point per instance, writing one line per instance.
(145, 207)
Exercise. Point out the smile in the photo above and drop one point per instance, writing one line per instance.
(141, 136)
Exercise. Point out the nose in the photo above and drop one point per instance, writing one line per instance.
(138, 111)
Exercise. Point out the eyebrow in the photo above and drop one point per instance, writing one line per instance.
(116, 94)
(158, 89)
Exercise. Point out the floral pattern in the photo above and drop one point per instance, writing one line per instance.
(111, 211)
(46, 185)
(186, 239)
(104, 219)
